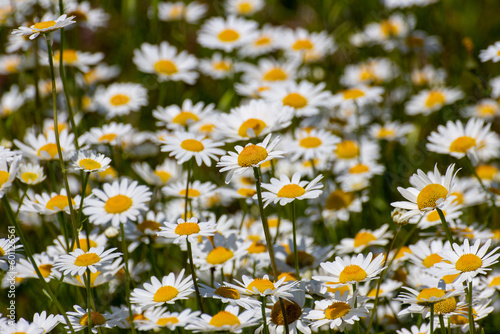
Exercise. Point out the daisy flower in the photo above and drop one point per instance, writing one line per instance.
(44, 263)
(157, 318)
(21, 326)
(217, 67)
(226, 33)
(50, 203)
(338, 313)
(169, 170)
(10, 64)
(424, 328)
(11, 101)
(310, 144)
(168, 290)
(30, 173)
(44, 27)
(426, 254)
(243, 7)
(196, 190)
(397, 26)
(121, 98)
(429, 76)
(117, 202)
(47, 323)
(391, 131)
(179, 117)
(43, 147)
(363, 239)
(222, 252)
(100, 73)
(491, 53)
(486, 109)
(358, 96)
(185, 145)
(164, 61)
(468, 261)
(173, 11)
(428, 101)
(269, 72)
(78, 261)
(428, 191)
(252, 155)
(108, 134)
(351, 270)
(79, 319)
(451, 211)
(8, 172)
(295, 315)
(285, 190)
(228, 320)
(373, 71)
(74, 58)
(305, 46)
(228, 294)
(264, 287)
(265, 41)
(456, 140)
(92, 18)
(90, 161)
(8, 246)
(189, 230)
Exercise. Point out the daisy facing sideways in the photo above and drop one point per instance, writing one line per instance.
(228, 320)
(428, 101)
(77, 262)
(45, 26)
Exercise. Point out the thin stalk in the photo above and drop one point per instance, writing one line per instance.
(58, 143)
(441, 324)
(127, 278)
(89, 308)
(29, 253)
(193, 273)
(22, 200)
(264, 318)
(445, 226)
(432, 318)
(295, 250)
(472, 327)
(80, 210)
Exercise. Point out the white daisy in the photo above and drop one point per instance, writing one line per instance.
(77, 262)
(285, 190)
(8, 172)
(228, 320)
(265, 41)
(373, 71)
(44, 263)
(50, 203)
(358, 96)
(156, 318)
(172, 11)
(90, 161)
(243, 7)
(80, 319)
(310, 144)
(222, 252)
(179, 117)
(74, 58)
(11, 101)
(117, 202)
(426, 253)
(363, 239)
(43, 147)
(391, 131)
(44, 27)
(30, 173)
(92, 18)
(169, 170)
(120, 99)
(168, 290)
(189, 230)
(108, 134)
(486, 109)
(269, 71)
(428, 101)
(217, 67)
(306, 46)
(226, 34)
(228, 294)
(491, 53)
(264, 287)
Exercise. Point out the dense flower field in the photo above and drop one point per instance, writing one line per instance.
(249, 166)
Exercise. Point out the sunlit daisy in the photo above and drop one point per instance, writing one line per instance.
(47, 323)
(50, 203)
(491, 53)
(189, 230)
(217, 67)
(156, 318)
(117, 202)
(44, 147)
(358, 95)
(108, 134)
(44, 27)
(306, 46)
(80, 319)
(228, 320)
(31, 173)
(265, 41)
(264, 286)
(174, 11)
(168, 290)
(75, 58)
(269, 71)
(8, 172)
(179, 117)
(295, 311)
(426, 253)
(120, 99)
(78, 261)
(486, 109)
(229, 295)
(364, 238)
(226, 34)
(99, 73)
(92, 18)
(391, 131)
(90, 161)
(222, 252)
(451, 211)
(373, 71)
(428, 101)
(169, 170)
(428, 75)
(185, 145)
(252, 155)
(428, 191)
(44, 263)
(468, 261)
(285, 190)
(11, 101)
(164, 61)
(243, 7)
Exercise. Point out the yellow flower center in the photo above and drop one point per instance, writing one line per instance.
(295, 100)
(177, 11)
(468, 262)
(4, 177)
(337, 310)
(310, 142)
(446, 306)
(223, 66)
(69, 56)
(58, 202)
(351, 94)
(165, 294)
(245, 7)
(386, 133)
(45, 269)
(165, 66)
(228, 35)
(352, 273)
(262, 284)
(430, 194)
(363, 239)
(87, 259)
(367, 75)
(89, 164)
(93, 277)
(339, 199)
(291, 191)
(44, 25)
(187, 228)
(27, 177)
(275, 74)
(252, 123)
(2, 252)
(359, 169)
(191, 192)
(224, 318)
(462, 144)
(342, 289)
(431, 260)
(96, 319)
(246, 192)
(289, 277)
(164, 176)
(111, 171)
(448, 279)
(424, 298)
(84, 245)
(119, 100)
(434, 99)
(402, 252)
(347, 149)
(302, 44)
(192, 145)
(486, 172)
(148, 225)
(264, 40)
(251, 155)
(167, 321)
(118, 204)
(487, 110)
(305, 259)
(495, 281)
(226, 292)
(185, 117)
(49, 148)
(292, 310)
(108, 137)
(257, 248)
(388, 28)
(219, 255)
(207, 128)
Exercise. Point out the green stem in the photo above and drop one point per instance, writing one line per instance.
(80, 210)
(295, 250)
(22, 200)
(445, 226)
(89, 308)
(441, 324)
(264, 318)
(127, 278)
(472, 327)
(58, 143)
(432, 318)
(27, 249)
(193, 273)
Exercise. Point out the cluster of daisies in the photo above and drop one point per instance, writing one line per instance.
(223, 179)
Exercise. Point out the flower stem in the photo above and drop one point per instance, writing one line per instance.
(472, 327)
(295, 250)
(127, 277)
(264, 318)
(441, 324)
(27, 249)
(193, 275)
(432, 318)
(445, 226)
(89, 308)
